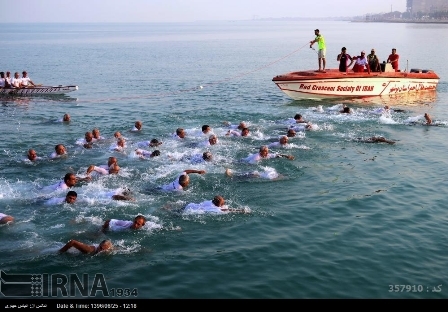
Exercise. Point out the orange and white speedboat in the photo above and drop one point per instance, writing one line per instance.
(332, 83)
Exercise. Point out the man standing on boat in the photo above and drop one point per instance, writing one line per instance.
(343, 58)
(322, 48)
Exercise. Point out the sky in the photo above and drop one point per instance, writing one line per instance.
(147, 11)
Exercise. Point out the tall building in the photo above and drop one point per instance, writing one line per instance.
(426, 6)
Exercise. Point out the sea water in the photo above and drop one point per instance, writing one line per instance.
(344, 219)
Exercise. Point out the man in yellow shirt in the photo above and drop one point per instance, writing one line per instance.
(322, 49)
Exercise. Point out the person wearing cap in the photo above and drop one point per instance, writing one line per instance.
(361, 63)
(393, 59)
(374, 62)
(322, 49)
(343, 58)
(26, 80)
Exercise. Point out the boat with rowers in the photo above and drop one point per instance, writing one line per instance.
(38, 90)
(332, 83)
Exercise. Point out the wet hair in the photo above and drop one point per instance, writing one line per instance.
(204, 127)
(207, 156)
(72, 193)
(297, 116)
(184, 179)
(67, 176)
(217, 200)
(155, 153)
(154, 142)
(140, 217)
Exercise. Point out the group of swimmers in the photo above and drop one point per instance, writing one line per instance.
(216, 205)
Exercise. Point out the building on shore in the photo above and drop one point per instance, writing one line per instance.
(426, 8)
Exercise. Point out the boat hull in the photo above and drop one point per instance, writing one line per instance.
(41, 90)
(334, 84)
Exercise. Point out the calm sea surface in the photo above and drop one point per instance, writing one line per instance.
(345, 220)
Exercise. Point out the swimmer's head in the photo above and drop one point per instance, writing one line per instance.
(207, 156)
(218, 201)
(105, 245)
(154, 142)
(139, 222)
(184, 180)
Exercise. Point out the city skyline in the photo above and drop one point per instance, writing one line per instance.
(147, 11)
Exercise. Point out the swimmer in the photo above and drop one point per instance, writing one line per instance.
(104, 246)
(69, 181)
(113, 169)
(152, 143)
(244, 133)
(66, 118)
(428, 119)
(144, 154)
(182, 181)
(282, 142)
(265, 154)
(212, 140)
(180, 134)
(138, 125)
(70, 198)
(6, 219)
(268, 174)
(32, 155)
(216, 205)
(96, 135)
(119, 225)
(59, 151)
(375, 139)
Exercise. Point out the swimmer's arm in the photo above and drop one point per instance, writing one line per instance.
(285, 156)
(78, 245)
(188, 171)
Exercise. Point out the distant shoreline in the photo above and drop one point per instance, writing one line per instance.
(402, 21)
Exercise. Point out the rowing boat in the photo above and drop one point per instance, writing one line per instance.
(38, 90)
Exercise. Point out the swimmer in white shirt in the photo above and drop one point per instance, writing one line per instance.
(70, 198)
(144, 154)
(137, 126)
(120, 146)
(282, 142)
(32, 155)
(119, 225)
(216, 205)
(244, 133)
(212, 140)
(70, 180)
(182, 181)
(113, 169)
(264, 154)
(152, 143)
(180, 134)
(96, 135)
(59, 151)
